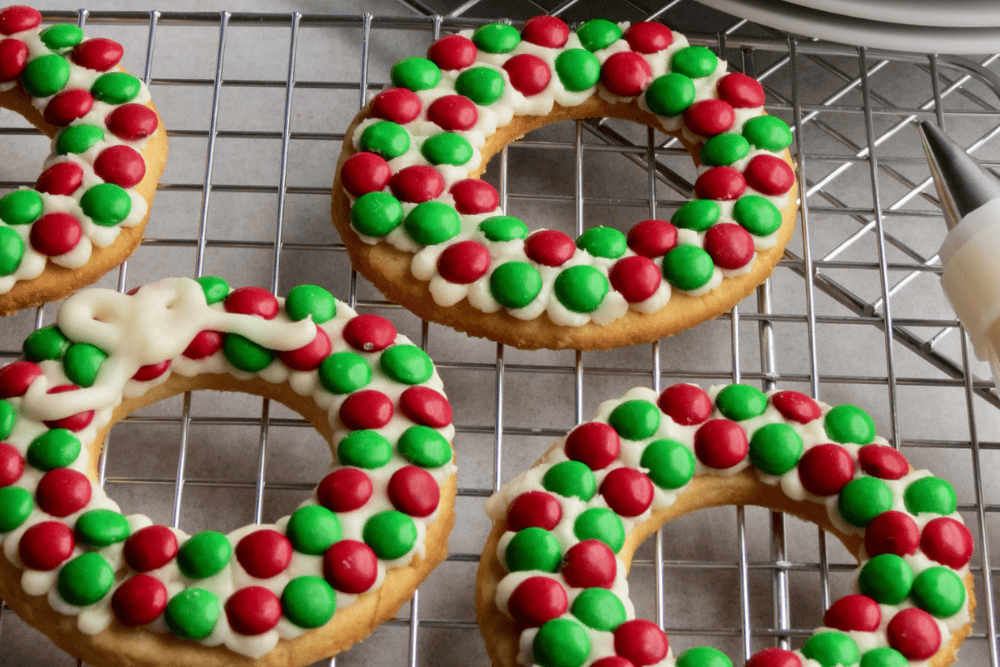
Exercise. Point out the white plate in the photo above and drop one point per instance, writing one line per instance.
(861, 32)
(934, 13)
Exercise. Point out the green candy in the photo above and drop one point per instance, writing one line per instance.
(496, 38)
(599, 608)
(561, 642)
(694, 61)
(407, 364)
(447, 148)
(504, 228)
(849, 423)
(54, 449)
(938, 591)
(635, 419)
(312, 529)
(415, 73)
(600, 523)
(515, 284)
(757, 215)
(775, 448)
(688, 267)
(85, 579)
(886, 578)
(724, 149)
(102, 527)
(8, 418)
(385, 138)
(670, 94)
(703, 656)
(365, 449)
(571, 479)
(597, 34)
(245, 354)
(204, 554)
(883, 657)
(741, 401)
(930, 494)
(308, 602)
(313, 301)
(82, 363)
(116, 88)
(11, 251)
(425, 447)
(581, 288)
(192, 613)
(482, 85)
(768, 132)
(670, 464)
(78, 138)
(697, 214)
(106, 204)
(432, 222)
(863, 499)
(578, 69)
(21, 207)
(532, 549)
(376, 214)
(344, 372)
(605, 242)
(61, 36)
(45, 344)
(831, 648)
(15, 506)
(45, 75)
(390, 534)
(215, 288)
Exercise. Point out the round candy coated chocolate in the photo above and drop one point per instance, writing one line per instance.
(252, 301)
(862, 499)
(686, 404)
(648, 36)
(46, 545)
(549, 247)
(939, 591)
(597, 34)
(85, 579)
(78, 139)
(549, 31)
(529, 74)
(768, 132)
(464, 262)
(892, 533)
(385, 138)
(364, 172)
(635, 419)
(578, 69)
(107, 204)
(204, 554)
(774, 657)
(344, 372)
(515, 284)
(886, 578)
(730, 246)
(61, 36)
(407, 364)
(883, 461)
(473, 196)
(561, 642)
(533, 548)
(313, 301)
(501, 228)
(669, 95)
(11, 251)
(245, 354)
(45, 75)
(641, 642)
(398, 105)
(45, 343)
(60, 492)
(703, 656)
(769, 175)
(8, 418)
(627, 491)
(741, 401)
(453, 112)
(308, 601)
(581, 288)
(116, 88)
(192, 613)
(102, 527)
(483, 85)
(694, 61)
(417, 183)
(724, 149)
(369, 333)
(853, 612)
(20, 207)
(720, 444)
(205, 344)
(452, 52)
(413, 491)
(150, 548)
(720, 183)
(264, 553)
(914, 633)
(67, 106)
(741, 91)
(15, 506)
(309, 356)
(426, 407)
(688, 267)
(139, 600)
(757, 215)
(600, 523)
(496, 37)
(606, 242)
(312, 529)
(571, 479)
(120, 165)
(825, 469)
(636, 278)
(11, 464)
(883, 657)
(132, 122)
(55, 234)
(652, 238)
(775, 448)
(590, 563)
(15, 378)
(415, 73)
(424, 447)
(626, 74)
(447, 148)
(930, 494)
(670, 464)
(344, 490)
(534, 508)
(350, 566)
(599, 608)
(537, 600)
(947, 541)
(795, 406)
(593, 443)
(98, 54)
(709, 117)
(253, 610)
(831, 648)
(697, 214)
(18, 18)
(848, 423)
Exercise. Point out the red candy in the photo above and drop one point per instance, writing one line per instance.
(652, 238)
(774, 657)
(139, 600)
(366, 409)
(627, 491)
(67, 106)
(426, 406)
(612, 661)
(151, 371)
(264, 553)
(730, 246)
(549, 247)
(853, 612)
(795, 406)
(452, 52)
(626, 74)
(914, 633)
(205, 344)
(947, 541)
(46, 545)
(594, 443)
(529, 74)
(537, 600)
(350, 566)
(891, 533)
(252, 301)
(741, 91)
(11, 464)
(636, 278)
(648, 36)
(150, 548)
(709, 117)
(720, 183)
(413, 491)
(533, 508)
(686, 404)
(369, 333)
(769, 175)
(453, 112)
(62, 178)
(132, 122)
(883, 461)
(363, 173)
(18, 18)
(121, 165)
(15, 378)
(98, 54)
(253, 610)
(590, 563)
(13, 58)
(62, 492)
(344, 490)
(720, 444)
(474, 196)
(309, 356)
(55, 233)
(641, 642)
(74, 422)
(464, 262)
(825, 469)
(398, 105)
(549, 31)
(417, 184)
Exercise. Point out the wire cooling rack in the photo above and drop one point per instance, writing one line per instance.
(256, 106)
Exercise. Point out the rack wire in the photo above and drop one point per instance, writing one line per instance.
(852, 312)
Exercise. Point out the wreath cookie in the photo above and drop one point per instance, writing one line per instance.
(551, 584)
(115, 589)
(429, 234)
(87, 210)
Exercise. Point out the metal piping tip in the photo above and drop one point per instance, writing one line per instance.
(962, 184)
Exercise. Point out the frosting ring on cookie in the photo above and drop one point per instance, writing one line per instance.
(291, 592)
(551, 586)
(409, 205)
(88, 208)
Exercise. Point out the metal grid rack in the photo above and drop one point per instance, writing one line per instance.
(853, 311)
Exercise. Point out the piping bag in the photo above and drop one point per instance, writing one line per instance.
(970, 254)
